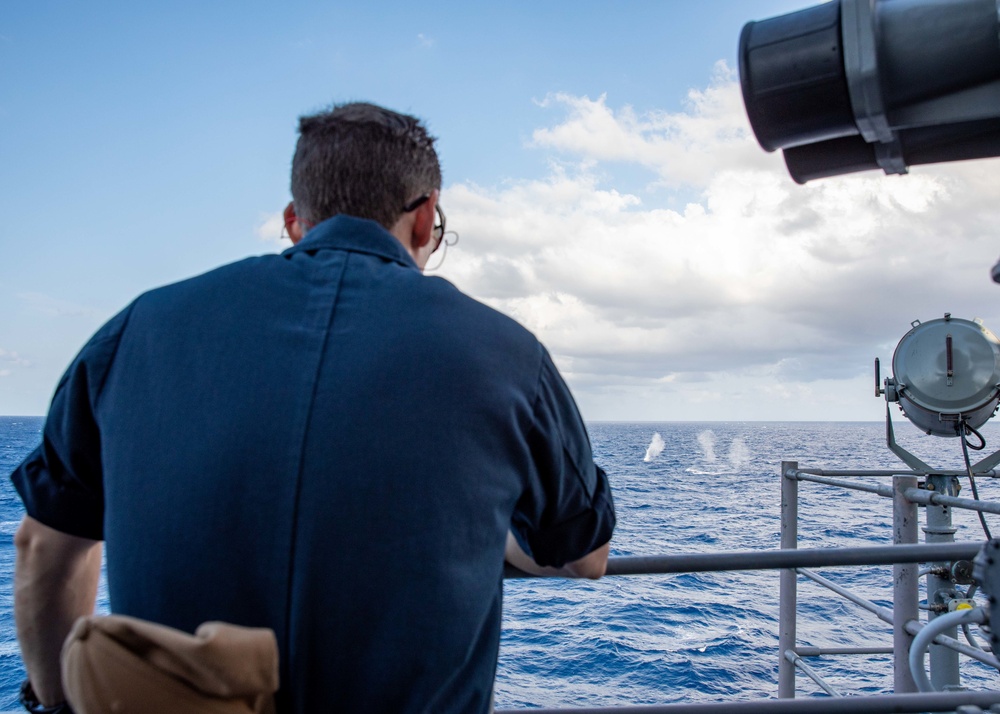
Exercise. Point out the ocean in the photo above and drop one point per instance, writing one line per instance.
(679, 488)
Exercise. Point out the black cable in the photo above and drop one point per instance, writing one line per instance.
(970, 430)
(965, 430)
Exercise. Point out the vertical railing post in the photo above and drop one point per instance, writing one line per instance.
(905, 582)
(943, 661)
(788, 597)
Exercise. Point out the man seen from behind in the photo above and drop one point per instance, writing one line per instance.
(325, 442)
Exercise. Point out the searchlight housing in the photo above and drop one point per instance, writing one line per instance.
(946, 381)
(852, 85)
(946, 373)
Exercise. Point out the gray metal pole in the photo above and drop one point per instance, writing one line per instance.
(905, 583)
(788, 596)
(939, 529)
(777, 559)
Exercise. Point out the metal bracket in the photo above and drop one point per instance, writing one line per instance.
(857, 28)
(986, 571)
(980, 468)
(909, 459)
(864, 84)
(889, 155)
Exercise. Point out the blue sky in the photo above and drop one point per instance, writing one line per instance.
(597, 166)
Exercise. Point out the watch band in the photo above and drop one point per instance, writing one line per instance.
(30, 702)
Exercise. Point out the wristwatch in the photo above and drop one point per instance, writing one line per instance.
(30, 702)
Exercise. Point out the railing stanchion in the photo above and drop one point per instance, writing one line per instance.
(788, 597)
(943, 662)
(905, 582)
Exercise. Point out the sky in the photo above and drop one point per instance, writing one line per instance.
(598, 167)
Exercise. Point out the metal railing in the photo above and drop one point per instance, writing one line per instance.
(938, 498)
(904, 555)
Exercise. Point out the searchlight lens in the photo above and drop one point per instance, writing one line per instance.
(946, 372)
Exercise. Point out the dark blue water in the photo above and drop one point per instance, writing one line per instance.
(659, 639)
(708, 637)
(18, 437)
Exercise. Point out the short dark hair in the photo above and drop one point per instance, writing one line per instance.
(361, 160)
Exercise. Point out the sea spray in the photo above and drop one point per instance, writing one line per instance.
(739, 455)
(706, 440)
(655, 447)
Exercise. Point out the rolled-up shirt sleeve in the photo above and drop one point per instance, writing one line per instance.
(60, 482)
(567, 510)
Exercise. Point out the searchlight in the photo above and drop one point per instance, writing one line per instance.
(946, 381)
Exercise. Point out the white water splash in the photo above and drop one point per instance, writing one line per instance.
(739, 455)
(655, 447)
(706, 440)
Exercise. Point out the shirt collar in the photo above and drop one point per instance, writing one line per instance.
(358, 235)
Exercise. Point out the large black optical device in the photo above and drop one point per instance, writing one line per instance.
(852, 85)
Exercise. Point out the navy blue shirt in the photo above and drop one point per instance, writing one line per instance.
(329, 443)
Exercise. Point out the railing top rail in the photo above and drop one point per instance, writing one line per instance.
(916, 495)
(991, 473)
(780, 559)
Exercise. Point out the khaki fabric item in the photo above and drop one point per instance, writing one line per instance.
(122, 665)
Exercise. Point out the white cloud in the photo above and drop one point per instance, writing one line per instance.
(9, 359)
(686, 147)
(758, 290)
(270, 229)
(55, 307)
(424, 40)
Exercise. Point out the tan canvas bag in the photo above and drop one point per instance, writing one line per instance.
(128, 666)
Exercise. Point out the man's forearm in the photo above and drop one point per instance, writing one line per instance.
(593, 565)
(55, 582)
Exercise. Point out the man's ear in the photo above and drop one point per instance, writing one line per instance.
(292, 223)
(423, 221)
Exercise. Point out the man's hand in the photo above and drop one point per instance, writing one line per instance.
(593, 565)
(55, 582)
